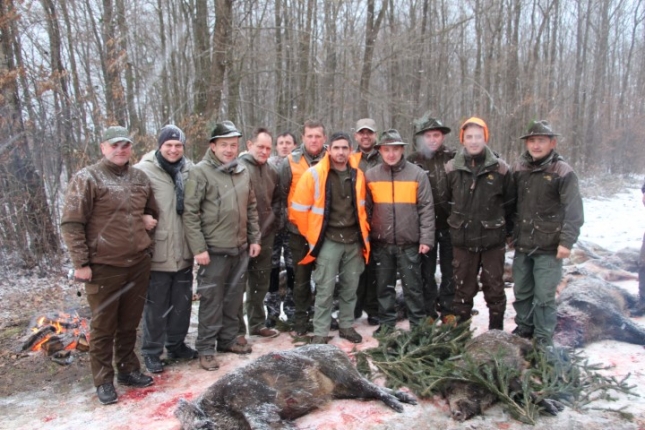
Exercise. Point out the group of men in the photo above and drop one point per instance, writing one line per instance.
(347, 223)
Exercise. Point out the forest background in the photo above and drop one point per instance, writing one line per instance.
(70, 68)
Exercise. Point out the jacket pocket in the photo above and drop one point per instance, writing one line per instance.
(546, 234)
(161, 247)
(493, 232)
(457, 230)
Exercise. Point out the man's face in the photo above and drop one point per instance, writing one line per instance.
(366, 139)
(433, 139)
(391, 154)
(118, 153)
(285, 145)
(172, 150)
(474, 139)
(540, 146)
(314, 139)
(260, 150)
(225, 148)
(339, 153)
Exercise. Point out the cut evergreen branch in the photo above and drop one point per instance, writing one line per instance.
(432, 356)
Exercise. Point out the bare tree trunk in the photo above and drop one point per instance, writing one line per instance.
(136, 126)
(114, 92)
(221, 43)
(372, 27)
(80, 120)
(31, 232)
(201, 56)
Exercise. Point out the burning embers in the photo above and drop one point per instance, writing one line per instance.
(58, 334)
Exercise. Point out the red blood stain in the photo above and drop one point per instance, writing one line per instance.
(166, 409)
(137, 393)
(48, 418)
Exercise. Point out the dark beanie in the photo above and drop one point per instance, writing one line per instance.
(171, 132)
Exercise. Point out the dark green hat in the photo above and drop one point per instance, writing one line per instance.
(426, 123)
(390, 137)
(540, 128)
(225, 129)
(116, 133)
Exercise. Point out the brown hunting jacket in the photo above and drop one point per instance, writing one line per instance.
(102, 218)
(482, 200)
(549, 205)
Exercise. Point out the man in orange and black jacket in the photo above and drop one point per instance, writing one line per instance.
(402, 227)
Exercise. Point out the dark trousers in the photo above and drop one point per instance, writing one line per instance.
(466, 266)
(302, 294)
(256, 288)
(446, 290)
(407, 260)
(366, 297)
(166, 315)
(221, 285)
(116, 297)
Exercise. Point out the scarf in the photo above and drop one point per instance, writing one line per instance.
(174, 170)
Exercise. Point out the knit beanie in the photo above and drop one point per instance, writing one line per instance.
(171, 132)
(476, 121)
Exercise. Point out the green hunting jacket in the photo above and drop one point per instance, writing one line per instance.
(220, 211)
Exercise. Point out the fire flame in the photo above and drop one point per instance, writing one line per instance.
(63, 323)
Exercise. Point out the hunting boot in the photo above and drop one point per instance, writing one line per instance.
(495, 320)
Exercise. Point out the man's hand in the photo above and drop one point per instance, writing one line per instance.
(149, 222)
(563, 252)
(203, 258)
(510, 242)
(424, 249)
(84, 274)
(254, 250)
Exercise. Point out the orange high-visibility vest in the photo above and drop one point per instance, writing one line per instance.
(298, 166)
(307, 208)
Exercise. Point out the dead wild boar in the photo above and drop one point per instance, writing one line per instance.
(467, 399)
(282, 386)
(591, 309)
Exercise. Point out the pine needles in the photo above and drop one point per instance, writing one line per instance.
(430, 358)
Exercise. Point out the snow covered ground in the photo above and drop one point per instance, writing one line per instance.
(613, 223)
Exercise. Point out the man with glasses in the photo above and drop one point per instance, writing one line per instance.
(103, 228)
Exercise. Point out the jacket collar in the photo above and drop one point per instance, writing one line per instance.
(248, 157)
(397, 167)
(312, 158)
(230, 168)
(149, 157)
(490, 160)
(528, 161)
(368, 155)
(113, 168)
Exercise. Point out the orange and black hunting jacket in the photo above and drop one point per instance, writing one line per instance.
(310, 206)
(400, 206)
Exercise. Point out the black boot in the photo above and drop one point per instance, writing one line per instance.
(495, 320)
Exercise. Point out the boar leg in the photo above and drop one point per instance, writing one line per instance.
(627, 331)
(265, 417)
